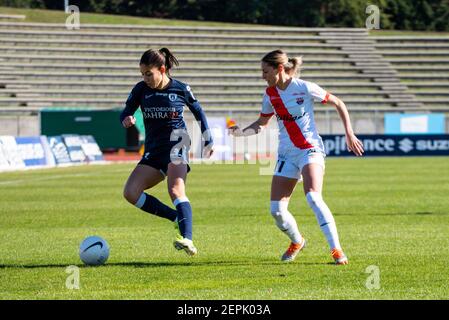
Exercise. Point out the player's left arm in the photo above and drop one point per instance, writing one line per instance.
(354, 144)
(200, 117)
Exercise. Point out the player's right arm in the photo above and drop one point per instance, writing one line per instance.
(257, 126)
(132, 103)
(254, 128)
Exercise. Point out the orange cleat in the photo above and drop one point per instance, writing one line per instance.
(339, 256)
(293, 251)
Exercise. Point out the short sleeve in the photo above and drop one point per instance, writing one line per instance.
(317, 93)
(267, 108)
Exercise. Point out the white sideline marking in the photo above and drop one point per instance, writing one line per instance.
(45, 178)
(61, 176)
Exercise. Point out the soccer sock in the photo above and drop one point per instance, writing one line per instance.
(325, 219)
(285, 221)
(184, 216)
(152, 205)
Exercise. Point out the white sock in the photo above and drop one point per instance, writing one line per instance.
(285, 221)
(325, 219)
(180, 200)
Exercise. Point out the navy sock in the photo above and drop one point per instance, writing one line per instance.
(152, 205)
(184, 217)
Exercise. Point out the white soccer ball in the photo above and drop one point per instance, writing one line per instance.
(247, 156)
(94, 251)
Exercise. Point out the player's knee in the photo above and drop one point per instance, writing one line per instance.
(278, 207)
(131, 195)
(176, 192)
(319, 207)
(279, 211)
(314, 198)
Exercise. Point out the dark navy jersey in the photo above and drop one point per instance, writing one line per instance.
(163, 111)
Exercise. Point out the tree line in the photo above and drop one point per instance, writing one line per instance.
(426, 15)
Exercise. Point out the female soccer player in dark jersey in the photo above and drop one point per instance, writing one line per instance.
(162, 100)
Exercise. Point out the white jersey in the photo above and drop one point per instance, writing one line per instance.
(293, 108)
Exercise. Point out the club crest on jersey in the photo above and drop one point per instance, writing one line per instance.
(172, 96)
(299, 101)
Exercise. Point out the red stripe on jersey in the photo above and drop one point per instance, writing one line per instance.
(325, 98)
(293, 130)
(266, 114)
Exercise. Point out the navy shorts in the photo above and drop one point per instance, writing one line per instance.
(160, 159)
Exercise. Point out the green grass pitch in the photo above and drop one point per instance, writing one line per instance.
(392, 214)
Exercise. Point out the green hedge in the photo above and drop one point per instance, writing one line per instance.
(426, 15)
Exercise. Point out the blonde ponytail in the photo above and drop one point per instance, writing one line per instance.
(278, 57)
(292, 67)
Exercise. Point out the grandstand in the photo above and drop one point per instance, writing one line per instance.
(44, 65)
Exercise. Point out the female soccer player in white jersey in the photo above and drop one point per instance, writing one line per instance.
(301, 152)
(162, 100)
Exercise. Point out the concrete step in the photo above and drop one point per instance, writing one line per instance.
(192, 29)
(409, 46)
(135, 77)
(409, 104)
(413, 53)
(235, 85)
(414, 38)
(150, 35)
(373, 64)
(396, 61)
(423, 68)
(386, 79)
(377, 70)
(11, 17)
(358, 34)
(401, 96)
(135, 60)
(171, 44)
(364, 57)
(182, 68)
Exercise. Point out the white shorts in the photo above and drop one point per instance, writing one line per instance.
(291, 166)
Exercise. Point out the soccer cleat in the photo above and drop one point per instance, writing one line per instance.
(339, 256)
(186, 245)
(293, 251)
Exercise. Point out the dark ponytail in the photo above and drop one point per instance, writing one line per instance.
(170, 59)
(159, 58)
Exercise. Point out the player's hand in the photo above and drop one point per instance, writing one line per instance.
(208, 151)
(354, 145)
(129, 121)
(235, 131)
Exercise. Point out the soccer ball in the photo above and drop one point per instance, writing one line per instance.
(94, 251)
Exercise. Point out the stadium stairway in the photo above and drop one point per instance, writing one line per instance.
(97, 65)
